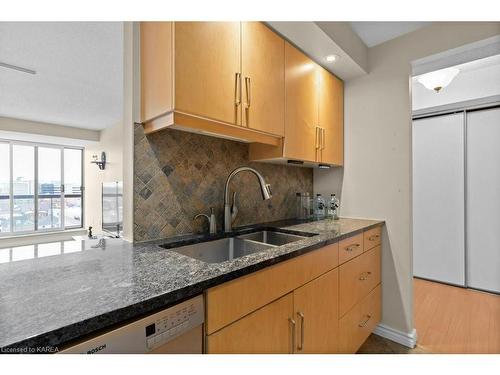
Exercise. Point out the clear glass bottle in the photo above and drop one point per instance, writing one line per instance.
(306, 204)
(333, 207)
(319, 207)
(299, 211)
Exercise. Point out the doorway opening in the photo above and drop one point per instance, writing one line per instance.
(456, 202)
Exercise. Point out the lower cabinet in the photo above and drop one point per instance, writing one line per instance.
(304, 321)
(316, 315)
(357, 324)
(267, 330)
(308, 304)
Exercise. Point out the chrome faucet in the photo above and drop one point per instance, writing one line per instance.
(230, 211)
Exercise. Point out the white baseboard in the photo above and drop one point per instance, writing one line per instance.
(403, 338)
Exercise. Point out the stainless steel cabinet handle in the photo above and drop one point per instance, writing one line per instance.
(323, 138)
(365, 275)
(248, 90)
(374, 237)
(352, 247)
(292, 324)
(363, 323)
(301, 343)
(317, 138)
(237, 90)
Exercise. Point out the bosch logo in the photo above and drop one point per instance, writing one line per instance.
(96, 349)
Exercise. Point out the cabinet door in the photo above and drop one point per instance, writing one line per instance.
(207, 64)
(331, 117)
(316, 314)
(156, 69)
(301, 105)
(263, 78)
(267, 330)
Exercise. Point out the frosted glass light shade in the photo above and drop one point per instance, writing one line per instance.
(438, 79)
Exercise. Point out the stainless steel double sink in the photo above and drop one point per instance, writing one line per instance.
(221, 250)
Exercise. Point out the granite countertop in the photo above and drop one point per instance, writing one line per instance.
(72, 289)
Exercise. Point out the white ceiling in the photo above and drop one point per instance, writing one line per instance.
(374, 33)
(79, 75)
(311, 39)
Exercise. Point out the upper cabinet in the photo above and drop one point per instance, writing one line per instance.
(207, 69)
(301, 106)
(211, 77)
(331, 118)
(263, 78)
(314, 118)
(157, 96)
(242, 81)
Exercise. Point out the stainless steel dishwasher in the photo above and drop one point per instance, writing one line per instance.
(176, 330)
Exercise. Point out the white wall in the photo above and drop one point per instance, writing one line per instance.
(111, 142)
(33, 131)
(118, 143)
(377, 171)
(467, 85)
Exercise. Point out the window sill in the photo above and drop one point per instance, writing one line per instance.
(34, 238)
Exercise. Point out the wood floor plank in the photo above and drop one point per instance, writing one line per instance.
(450, 319)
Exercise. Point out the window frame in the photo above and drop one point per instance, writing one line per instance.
(36, 193)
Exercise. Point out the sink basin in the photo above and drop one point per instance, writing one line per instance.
(221, 250)
(272, 237)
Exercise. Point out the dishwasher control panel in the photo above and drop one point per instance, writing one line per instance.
(173, 322)
(149, 333)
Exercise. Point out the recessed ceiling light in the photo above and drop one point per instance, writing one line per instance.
(332, 58)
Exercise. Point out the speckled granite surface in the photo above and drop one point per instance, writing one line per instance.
(53, 300)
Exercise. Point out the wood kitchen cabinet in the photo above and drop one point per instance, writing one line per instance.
(316, 315)
(313, 115)
(263, 78)
(331, 118)
(224, 79)
(267, 330)
(207, 62)
(308, 304)
(301, 106)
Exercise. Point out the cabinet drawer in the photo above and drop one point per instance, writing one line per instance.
(350, 247)
(358, 277)
(357, 325)
(372, 238)
(231, 301)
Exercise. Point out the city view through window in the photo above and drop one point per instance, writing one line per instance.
(40, 187)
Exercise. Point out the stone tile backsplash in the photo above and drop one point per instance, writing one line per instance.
(179, 174)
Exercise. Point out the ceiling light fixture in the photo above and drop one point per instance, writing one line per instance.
(439, 79)
(332, 58)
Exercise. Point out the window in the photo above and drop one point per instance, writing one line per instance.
(40, 187)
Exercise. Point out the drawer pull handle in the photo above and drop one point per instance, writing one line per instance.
(301, 342)
(352, 247)
(365, 275)
(363, 323)
(293, 324)
(373, 237)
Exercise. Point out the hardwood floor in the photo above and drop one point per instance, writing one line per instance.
(450, 319)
